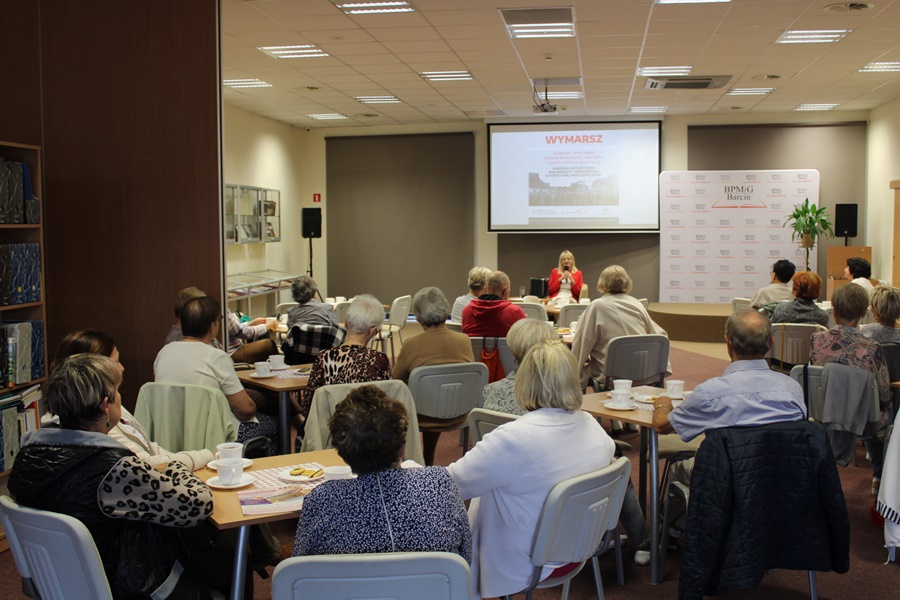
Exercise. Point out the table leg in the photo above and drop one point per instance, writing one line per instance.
(284, 422)
(642, 469)
(240, 563)
(655, 549)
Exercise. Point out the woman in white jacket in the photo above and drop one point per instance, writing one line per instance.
(128, 432)
(510, 472)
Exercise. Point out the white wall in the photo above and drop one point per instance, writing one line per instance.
(883, 156)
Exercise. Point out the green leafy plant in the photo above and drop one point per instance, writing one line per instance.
(809, 222)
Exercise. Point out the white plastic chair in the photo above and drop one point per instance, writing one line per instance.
(454, 326)
(56, 552)
(792, 343)
(284, 307)
(506, 357)
(395, 575)
(483, 421)
(533, 310)
(739, 304)
(570, 313)
(396, 321)
(645, 302)
(531, 298)
(638, 358)
(164, 408)
(340, 310)
(577, 516)
(448, 391)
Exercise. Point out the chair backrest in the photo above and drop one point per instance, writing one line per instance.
(180, 416)
(531, 298)
(815, 397)
(56, 551)
(578, 512)
(739, 304)
(395, 576)
(340, 310)
(792, 342)
(447, 391)
(829, 311)
(506, 357)
(399, 312)
(892, 358)
(637, 357)
(284, 307)
(570, 313)
(483, 421)
(454, 326)
(645, 302)
(326, 398)
(533, 310)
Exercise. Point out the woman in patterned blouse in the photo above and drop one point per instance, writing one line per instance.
(131, 509)
(386, 508)
(352, 361)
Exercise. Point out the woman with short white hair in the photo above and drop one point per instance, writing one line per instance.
(516, 465)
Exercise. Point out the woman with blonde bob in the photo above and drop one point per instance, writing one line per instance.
(885, 302)
(517, 465)
(565, 280)
(614, 314)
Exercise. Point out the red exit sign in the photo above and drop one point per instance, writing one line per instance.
(317, 197)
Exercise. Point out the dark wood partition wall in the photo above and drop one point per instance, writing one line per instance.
(20, 98)
(130, 121)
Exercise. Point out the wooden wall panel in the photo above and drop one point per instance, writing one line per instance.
(132, 167)
(20, 76)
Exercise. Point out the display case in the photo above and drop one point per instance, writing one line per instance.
(230, 213)
(270, 209)
(248, 214)
(244, 287)
(252, 214)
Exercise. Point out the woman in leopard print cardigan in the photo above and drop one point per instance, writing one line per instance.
(132, 510)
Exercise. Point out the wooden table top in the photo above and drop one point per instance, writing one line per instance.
(276, 384)
(227, 510)
(593, 404)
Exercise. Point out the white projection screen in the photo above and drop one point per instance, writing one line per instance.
(590, 177)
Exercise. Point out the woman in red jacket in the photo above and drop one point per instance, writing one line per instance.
(565, 280)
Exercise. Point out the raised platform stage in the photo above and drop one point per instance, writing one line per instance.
(691, 322)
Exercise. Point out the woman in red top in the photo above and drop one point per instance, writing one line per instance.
(565, 280)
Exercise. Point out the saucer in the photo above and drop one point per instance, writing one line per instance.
(258, 376)
(246, 479)
(281, 368)
(612, 406)
(212, 464)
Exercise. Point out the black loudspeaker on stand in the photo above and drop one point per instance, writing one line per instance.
(311, 228)
(845, 221)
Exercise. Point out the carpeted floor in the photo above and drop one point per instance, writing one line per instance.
(868, 576)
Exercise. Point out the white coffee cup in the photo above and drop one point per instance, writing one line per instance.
(620, 398)
(675, 388)
(574, 326)
(342, 472)
(263, 368)
(622, 384)
(230, 470)
(276, 361)
(585, 301)
(340, 298)
(229, 450)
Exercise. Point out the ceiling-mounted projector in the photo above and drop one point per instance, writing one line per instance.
(545, 109)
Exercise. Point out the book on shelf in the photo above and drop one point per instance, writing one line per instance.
(22, 352)
(9, 429)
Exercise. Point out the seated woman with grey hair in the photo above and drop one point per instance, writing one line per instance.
(386, 508)
(352, 361)
(524, 334)
(308, 310)
(437, 345)
(478, 277)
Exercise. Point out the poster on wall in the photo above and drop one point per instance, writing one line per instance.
(721, 231)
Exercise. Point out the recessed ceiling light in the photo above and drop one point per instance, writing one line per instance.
(562, 95)
(245, 83)
(525, 23)
(371, 8)
(817, 107)
(304, 51)
(377, 99)
(812, 36)
(881, 67)
(542, 30)
(689, 1)
(749, 91)
(327, 116)
(654, 71)
(648, 109)
(446, 75)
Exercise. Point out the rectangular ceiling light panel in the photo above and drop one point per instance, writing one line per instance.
(523, 23)
(303, 51)
(245, 83)
(374, 8)
(812, 36)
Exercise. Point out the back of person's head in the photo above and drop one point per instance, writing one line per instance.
(526, 333)
(369, 429)
(563, 255)
(750, 333)
(430, 306)
(807, 285)
(364, 313)
(850, 303)
(859, 267)
(198, 316)
(478, 277)
(303, 289)
(614, 280)
(548, 378)
(497, 283)
(78, 386)
(784, 270)
(86, 341)
(885, 301)
(183, 296)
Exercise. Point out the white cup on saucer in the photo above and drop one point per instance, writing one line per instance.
(276, 361)
(230, 470)
(675, 388)
(622, 384)
(620, 398)
(229, 450)
(341, 472)
(263, 368)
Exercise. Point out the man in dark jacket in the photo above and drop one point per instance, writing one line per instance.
(491, 314)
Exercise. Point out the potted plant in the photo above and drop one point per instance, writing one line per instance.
(807, 222)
